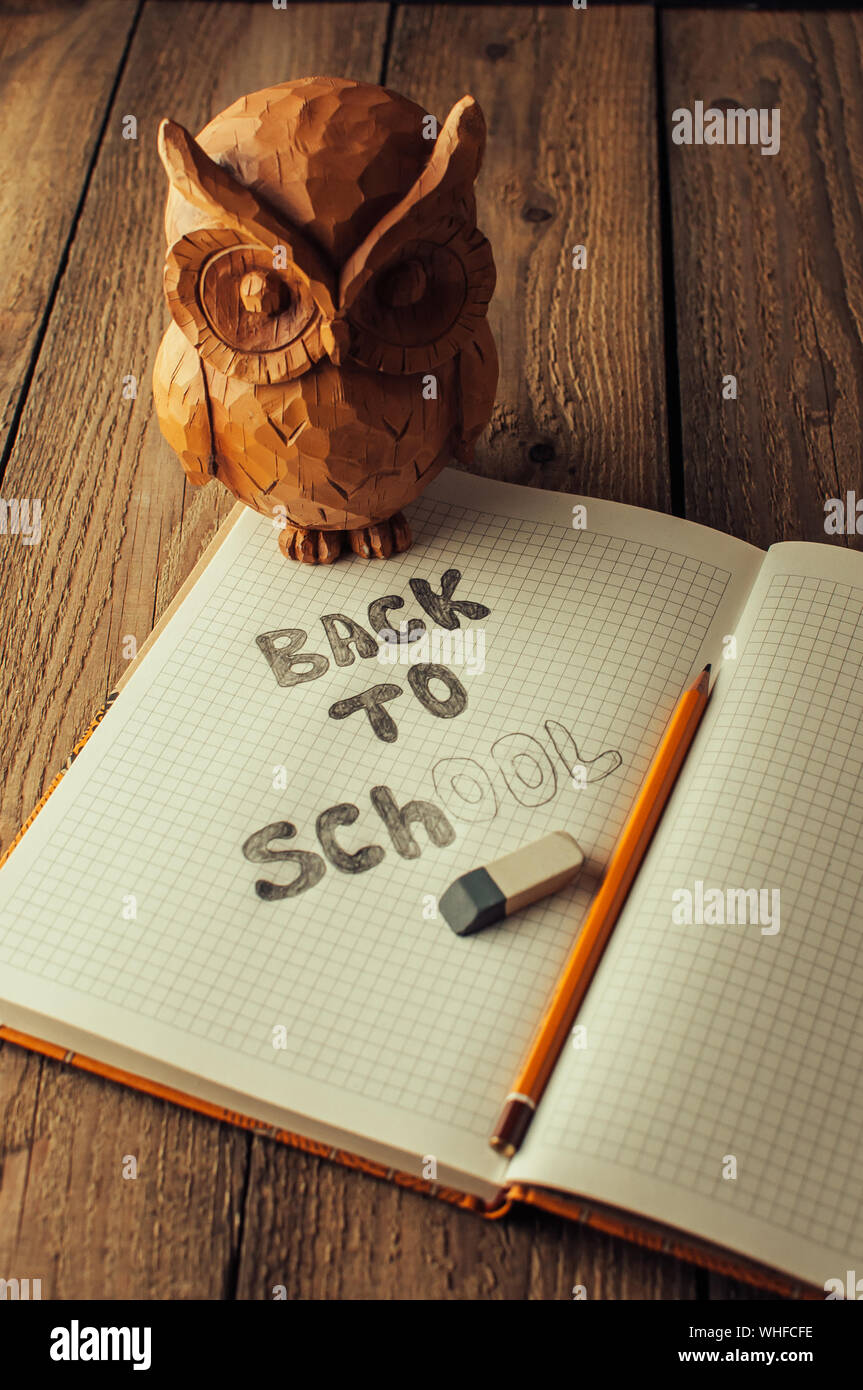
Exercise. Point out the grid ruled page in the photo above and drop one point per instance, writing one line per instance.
(720, 1045)
(131, 907)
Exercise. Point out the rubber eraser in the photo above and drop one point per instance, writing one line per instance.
(486, 895)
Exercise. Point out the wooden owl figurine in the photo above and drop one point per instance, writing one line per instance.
(329, 351)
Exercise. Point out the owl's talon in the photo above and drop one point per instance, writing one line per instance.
(310, 547)
(383, 540)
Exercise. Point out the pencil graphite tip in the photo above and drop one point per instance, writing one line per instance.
(703, 682)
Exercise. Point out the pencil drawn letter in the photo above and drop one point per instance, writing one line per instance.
(379, 618)
(345, 814)
(372, 701)
(419, 678)
(398, 822)
(285, 659)
(593, 769)
(442, 608)
(311, 867)
(362, 640)
(526, 768)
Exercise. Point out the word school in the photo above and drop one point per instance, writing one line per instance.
(463, 784)
(735, 126)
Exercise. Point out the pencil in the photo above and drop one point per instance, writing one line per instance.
(590, 943)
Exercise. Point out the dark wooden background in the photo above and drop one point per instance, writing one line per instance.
(701, 262)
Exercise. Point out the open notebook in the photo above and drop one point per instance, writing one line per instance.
(132, 931)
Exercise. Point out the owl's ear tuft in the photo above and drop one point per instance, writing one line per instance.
(229, 204)
(171, 141)
(416, 289)
(191, 172)
(462, 139)
(211, 187)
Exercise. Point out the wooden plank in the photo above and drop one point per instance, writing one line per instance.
(71, 1215)
(768, 254)
(113, 493)
(323, 1232)
(114, 519)
(57, 68)
(570, 102)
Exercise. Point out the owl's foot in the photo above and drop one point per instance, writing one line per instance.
(311, 547)
(380, 541)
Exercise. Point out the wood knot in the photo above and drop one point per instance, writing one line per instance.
(543, 452)
(537, 214)
(496, 51)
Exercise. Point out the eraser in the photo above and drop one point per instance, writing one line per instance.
(484, 896)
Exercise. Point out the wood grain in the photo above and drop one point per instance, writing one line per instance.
(361, 1238)
(70, 1217)
(112, 493)
(323, 1232)
(57, 68)
(118, 539)
(768, 256)
(570, 102)
(572, 158)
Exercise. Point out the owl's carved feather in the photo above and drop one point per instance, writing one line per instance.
(182, 404)
(477, 381)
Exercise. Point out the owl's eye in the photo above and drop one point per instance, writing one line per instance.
(245, 316)
(417, 310)
(417, 300)
(403, 285)
(250, 305)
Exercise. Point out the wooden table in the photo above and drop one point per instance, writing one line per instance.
(701, 263)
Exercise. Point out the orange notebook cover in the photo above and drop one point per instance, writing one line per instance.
(619, 531)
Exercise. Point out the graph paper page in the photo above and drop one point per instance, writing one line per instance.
(130, 908)
(712, 1048)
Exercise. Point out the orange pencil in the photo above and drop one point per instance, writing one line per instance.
(584, 957)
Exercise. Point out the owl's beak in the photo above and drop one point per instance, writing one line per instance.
(336, 338)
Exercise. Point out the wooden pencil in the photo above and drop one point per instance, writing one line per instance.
(521, 1103)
